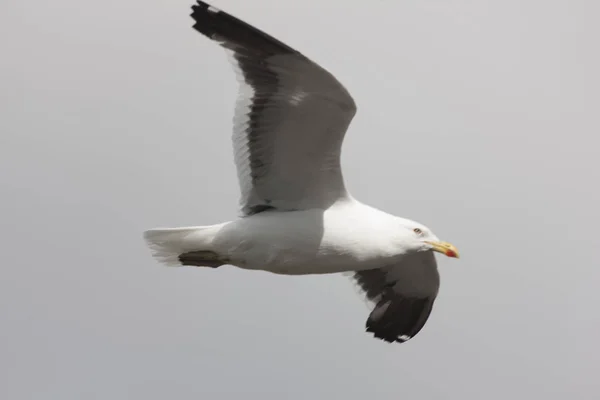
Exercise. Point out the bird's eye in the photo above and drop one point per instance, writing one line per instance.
(417, 231)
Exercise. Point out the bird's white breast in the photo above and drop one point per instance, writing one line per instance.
(345, 237)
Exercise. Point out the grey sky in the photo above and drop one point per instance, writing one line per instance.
(476, 118)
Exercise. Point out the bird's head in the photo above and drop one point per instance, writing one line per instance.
(417, 237)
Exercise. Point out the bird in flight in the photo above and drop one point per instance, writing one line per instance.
(297, 218)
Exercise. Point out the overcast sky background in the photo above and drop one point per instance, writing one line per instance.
(476, 118)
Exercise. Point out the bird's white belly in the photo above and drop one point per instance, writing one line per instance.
(302, 242)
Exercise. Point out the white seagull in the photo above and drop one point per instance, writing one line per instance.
(297, 216)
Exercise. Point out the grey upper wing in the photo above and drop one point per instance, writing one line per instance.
(403, 296)
(290, 120)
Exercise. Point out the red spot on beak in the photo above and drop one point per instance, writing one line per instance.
(451, 253)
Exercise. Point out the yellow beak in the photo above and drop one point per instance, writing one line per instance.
(445, 248)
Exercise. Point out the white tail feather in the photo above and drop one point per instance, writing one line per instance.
(167, 244)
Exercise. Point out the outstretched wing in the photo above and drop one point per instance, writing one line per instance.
(402, 294)
(290, 120)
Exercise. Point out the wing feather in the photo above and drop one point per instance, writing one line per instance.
(403, 296)
(290, 121)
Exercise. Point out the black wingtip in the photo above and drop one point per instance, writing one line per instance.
(388, 338)
(215, 23)
(204, 15)
(399, 320)
(201, 7)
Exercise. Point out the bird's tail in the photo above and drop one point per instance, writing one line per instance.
(173, 246)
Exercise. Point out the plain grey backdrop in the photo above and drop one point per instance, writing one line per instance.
(477, 118)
